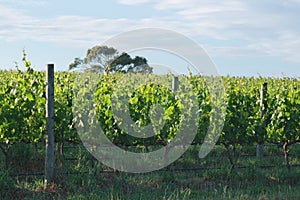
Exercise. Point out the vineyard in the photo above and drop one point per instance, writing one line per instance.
(250, 118)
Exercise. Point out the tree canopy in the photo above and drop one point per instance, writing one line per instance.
(107, 59)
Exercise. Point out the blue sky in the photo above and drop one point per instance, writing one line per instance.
(245, 38)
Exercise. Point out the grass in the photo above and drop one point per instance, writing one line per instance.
(212, 177)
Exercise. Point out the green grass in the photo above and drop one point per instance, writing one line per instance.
(217, 182)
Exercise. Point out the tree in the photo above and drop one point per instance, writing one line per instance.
(77, 62)
(119, 64)
(140, 66)
(108, 59)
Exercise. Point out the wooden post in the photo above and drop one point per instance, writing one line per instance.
(175, 84)
(263, 105)
(174, 89)
(49, 160)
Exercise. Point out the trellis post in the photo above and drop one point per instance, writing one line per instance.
(263, 105)
(49, 160)
(175, 84)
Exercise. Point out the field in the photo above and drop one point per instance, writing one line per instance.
(245, 113)
(78, 176)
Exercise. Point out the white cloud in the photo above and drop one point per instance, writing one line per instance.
(286, 46)
(33, 3)
(271, 30)
(134, 2)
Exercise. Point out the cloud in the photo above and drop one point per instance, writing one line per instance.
(286, 46)
(135, 2)
(76, 30)
(270, 28)
(32, 3)
(266, 27)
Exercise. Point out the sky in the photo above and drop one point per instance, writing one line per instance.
(242, 38)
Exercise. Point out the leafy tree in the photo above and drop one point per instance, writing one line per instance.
(108, 59)
(140, 65)
(119, 64)
(99, 57)
(77, 62)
